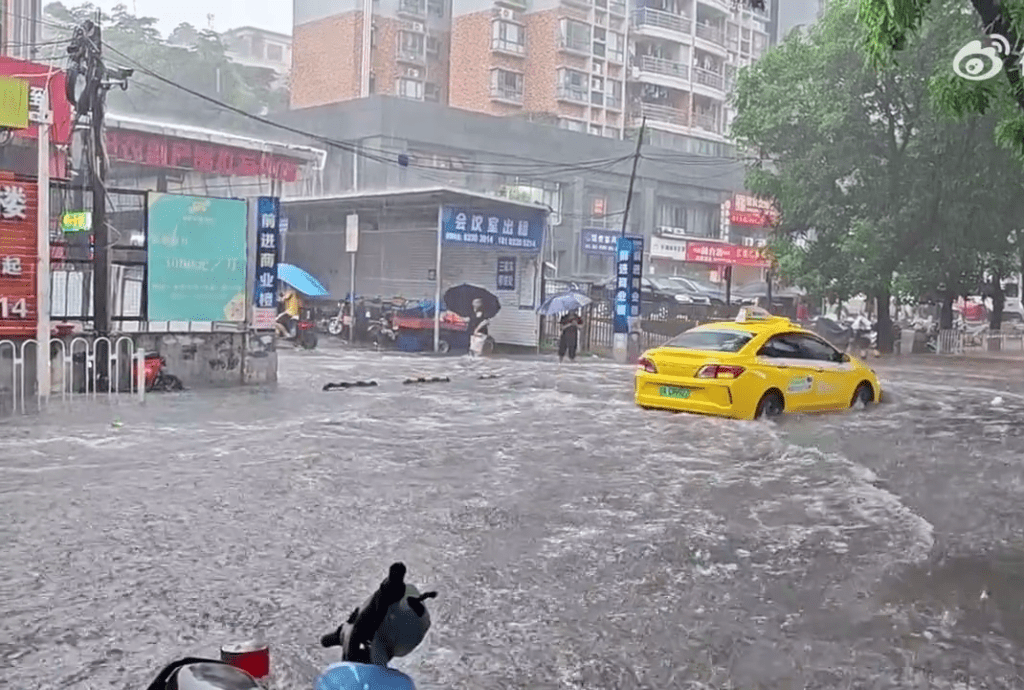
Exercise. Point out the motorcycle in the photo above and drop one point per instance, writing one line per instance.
(383, 333)
(391, 623)
(156, 376)
(303, 334)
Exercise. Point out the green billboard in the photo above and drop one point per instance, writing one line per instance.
(197, 258)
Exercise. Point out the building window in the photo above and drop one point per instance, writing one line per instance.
(672, 216)
(572, 85)
(431, 92)
(575, 35)
(275, 53)
(572, 125)
(412, 44)
(615, 47)
(507, 85)
(410, 88)
(436, 8)
(433, 45)
(508, 37)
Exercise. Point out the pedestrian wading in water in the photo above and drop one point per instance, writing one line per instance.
(569, 340)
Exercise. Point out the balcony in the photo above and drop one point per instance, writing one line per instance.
(514, 4)
(711, 34)
(708, 78)
(577, 3)
(613, 102)
(501, 45)
(573, 94)
(574, 46)
(661, 113)
(506, 94)
(412, 8)
(617, 8)
(668, 68)
(707, 122)
(645, 18)
(412, 57)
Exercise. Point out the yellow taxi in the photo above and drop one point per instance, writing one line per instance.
(758, 365)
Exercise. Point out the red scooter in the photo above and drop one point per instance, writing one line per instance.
(157, 379)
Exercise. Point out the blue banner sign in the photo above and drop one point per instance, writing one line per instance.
(268, 239)
(197, 258)
(507, 273)
(629, 270)
(511, 229)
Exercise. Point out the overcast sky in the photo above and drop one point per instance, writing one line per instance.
(274, 15)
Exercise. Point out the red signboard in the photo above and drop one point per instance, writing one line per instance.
(725, 254)
(749, 210)
(159, 151)
(19, 257)
(37, 75)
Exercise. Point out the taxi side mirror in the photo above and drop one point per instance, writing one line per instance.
(842, 357)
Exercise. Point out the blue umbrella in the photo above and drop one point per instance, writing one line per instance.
(300, 280)
(563, 302)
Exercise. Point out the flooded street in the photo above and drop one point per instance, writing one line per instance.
(575, 540)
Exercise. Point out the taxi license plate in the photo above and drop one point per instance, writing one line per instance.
(673, 392)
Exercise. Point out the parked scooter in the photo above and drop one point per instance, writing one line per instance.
(156, 376)
(383, 333)
(391, 623)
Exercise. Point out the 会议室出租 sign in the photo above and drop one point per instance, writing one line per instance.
(518, 229)
(197, 258)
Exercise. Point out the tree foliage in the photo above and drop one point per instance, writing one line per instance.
(891, 26)
(872, 180)
(196, 59)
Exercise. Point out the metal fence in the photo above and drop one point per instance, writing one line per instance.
(72, 255)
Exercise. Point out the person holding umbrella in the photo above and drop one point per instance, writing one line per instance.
(478, 307)
(569, 339)
(477, 327)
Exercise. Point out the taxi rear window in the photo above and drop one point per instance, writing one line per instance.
(711, 341)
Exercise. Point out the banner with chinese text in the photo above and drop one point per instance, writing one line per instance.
(725, 254)
(518, 228)
(629, 270)
(197, 258)
(507, 273)
(268, 239)
(19, 257)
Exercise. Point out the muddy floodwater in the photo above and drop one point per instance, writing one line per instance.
(575, 540)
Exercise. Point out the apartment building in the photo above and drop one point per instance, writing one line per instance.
(345, 49)
(592, 66)
(253, 47)
(20, 29)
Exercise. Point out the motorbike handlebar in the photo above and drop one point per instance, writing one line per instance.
(331, 639)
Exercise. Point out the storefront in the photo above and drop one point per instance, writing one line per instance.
(751, 221)
(667, 255)
(417, 244)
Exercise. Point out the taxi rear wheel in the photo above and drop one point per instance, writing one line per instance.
(864, 395)
(771, 405)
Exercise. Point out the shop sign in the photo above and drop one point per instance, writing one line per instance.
(19, 257)
(663, 248)
(750, 210)
(725, 254)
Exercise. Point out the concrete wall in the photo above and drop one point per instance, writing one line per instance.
(207, 360)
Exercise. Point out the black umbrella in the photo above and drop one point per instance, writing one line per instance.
(460, 298)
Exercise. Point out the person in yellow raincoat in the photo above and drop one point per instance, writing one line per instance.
(291, 308)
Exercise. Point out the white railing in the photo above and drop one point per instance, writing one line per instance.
(660, 19)
(950, 342)
(76, 369)
(708, 78)
(711, 34)
(657, 65)
(576, 94)
(662, 113)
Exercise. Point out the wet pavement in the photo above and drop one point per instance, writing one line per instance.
(576, 541)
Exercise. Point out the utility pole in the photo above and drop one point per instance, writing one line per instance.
(88, 82)
(632, 175)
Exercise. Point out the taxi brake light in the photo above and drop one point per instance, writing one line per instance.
(720, 371)
(647, 365)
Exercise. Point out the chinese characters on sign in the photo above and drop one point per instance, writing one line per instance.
(268, 236)
(668, 249)
(18, 258)
(507, 273)
(629, 257)
(601, 242)
(749, 210)
(725, 254)
(524, 230)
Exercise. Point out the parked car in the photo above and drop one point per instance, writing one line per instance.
(712, 293)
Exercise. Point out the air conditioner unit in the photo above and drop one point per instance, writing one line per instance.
(412, 72)
(748, 241)
(669, 230)
(762, 243)
(508, 14)
(417, 27)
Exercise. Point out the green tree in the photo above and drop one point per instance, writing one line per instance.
(196, 59)
(891, 26)
(870, 179)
